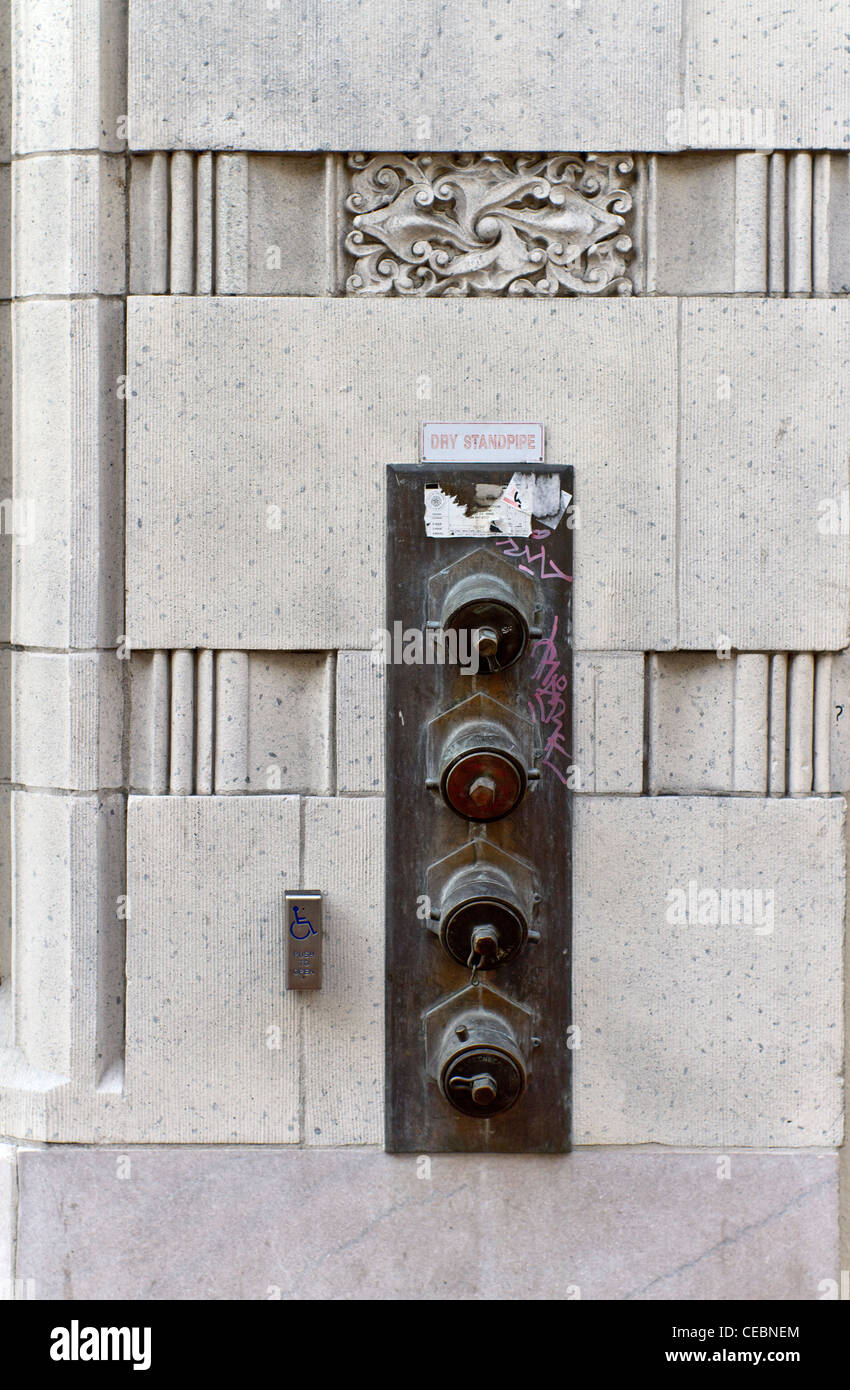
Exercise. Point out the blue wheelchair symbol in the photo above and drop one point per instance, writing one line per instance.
(299, 921)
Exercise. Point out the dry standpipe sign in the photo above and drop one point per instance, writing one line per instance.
(462, 441)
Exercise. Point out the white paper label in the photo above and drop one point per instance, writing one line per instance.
(490, 516)
(497, 510)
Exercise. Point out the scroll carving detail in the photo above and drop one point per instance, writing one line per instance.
(489, 224)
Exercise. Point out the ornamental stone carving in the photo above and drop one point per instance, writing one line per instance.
(489, 224)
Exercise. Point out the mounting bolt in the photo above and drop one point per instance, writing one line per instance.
(485, 942)
(482, 792)
(484, 1089)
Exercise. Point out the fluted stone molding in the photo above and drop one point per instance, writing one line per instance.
(209, 722)
(234, 223)
(746, 723)
(476, 224)
(692, 723)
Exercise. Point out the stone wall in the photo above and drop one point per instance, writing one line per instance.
(219, 320)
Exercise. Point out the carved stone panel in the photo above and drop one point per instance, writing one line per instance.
(516, 224)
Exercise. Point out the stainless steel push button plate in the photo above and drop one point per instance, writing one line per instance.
(303, 928)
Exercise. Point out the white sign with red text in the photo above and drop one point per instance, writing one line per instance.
(459, 441)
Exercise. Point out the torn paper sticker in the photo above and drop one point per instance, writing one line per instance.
(486, 513)
(540, 495)
(487, 509)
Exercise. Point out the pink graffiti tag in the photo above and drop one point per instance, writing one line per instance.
(514, 552)
(547, 704)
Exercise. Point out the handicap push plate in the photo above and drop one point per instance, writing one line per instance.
(303, 940)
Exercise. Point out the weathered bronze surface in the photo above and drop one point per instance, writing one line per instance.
(475, 1066)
